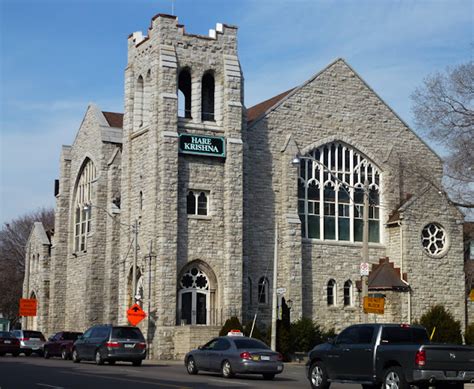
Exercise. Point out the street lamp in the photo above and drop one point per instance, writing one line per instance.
(365, 232)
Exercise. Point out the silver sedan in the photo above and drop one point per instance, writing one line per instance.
(232, 355)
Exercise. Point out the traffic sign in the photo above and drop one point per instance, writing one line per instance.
(374, 305)
(28, 307)
(471, 295)
(281, 290)
(135, 314)
(364, 269)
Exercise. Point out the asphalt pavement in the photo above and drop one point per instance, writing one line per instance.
(38, 373)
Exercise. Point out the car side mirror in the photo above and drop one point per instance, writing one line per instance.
(80, 337)
(331, 340)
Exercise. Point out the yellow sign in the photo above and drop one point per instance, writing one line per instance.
(471, 295)
(374, 305)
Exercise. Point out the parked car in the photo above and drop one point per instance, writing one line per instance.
(108, 343)
(9, 344)
(235, 354)
(392, 355)
(60, 344)
(30, 341)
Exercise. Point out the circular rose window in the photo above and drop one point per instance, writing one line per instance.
(433, 239)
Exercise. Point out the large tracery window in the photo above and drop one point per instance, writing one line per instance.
(82, 215)
(331, 194)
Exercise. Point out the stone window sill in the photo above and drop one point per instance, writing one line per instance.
(340, 243)
(199, 217)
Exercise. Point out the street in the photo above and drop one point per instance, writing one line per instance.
(36, 373)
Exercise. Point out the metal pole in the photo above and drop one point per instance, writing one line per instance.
(149, 299)
(135, 260)
(365, 243)
(26, 294)
(274, 299)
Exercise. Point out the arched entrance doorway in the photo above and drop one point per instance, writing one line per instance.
(196, 295)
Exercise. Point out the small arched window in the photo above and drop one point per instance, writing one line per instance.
(138, 104)
(348, 298)
(140, 202)
(191, 203)
(331, 293)
(207, 97)
(197, 203)
(184, 94)
(263, 290)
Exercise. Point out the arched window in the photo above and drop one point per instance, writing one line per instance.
(184, 94)
(207, 97)
(140, 201)
(348, 298)
(331, 194)
(82, 205)
(138, 104)
(263, 290)
(197, 203)
(331, 293)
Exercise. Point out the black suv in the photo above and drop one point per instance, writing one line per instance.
(110, 343)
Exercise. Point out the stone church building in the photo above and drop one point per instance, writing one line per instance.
(195, 187)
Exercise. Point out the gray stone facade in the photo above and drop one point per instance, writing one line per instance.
(140, 181)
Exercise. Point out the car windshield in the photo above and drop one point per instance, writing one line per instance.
(33, 334)
(71, 335)
(250, 343)
(127, 333)
(5, 334)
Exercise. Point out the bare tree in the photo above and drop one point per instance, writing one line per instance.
(13, 238)
(443, 109)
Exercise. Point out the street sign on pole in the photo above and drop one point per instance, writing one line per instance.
(374, 305)
(364, 269)
(28, 307)
(135, 314)
(471, 295)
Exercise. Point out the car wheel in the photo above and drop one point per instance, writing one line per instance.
(75, 356)
(318, 376)
(46, 354)
(268, 376)
(98, 358)
(394, 379)
(111, 362)
(226, 369)
(64, 354)
(28, 353)
(191, 366)
(137, 363)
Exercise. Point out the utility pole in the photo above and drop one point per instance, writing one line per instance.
(365, 245)
(135, 260)
(274, 294)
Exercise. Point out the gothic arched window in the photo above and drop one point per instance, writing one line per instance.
(184, 94)
(331, 293)
(207, 97)
(138, 104)
(263, 290)
(82, 205)
(348, 297)
(331, 194)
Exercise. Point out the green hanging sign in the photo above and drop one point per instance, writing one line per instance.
(211, 146)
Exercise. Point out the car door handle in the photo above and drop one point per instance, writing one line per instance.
(346, 349)
(368, 349)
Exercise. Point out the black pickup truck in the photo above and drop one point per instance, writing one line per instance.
(393, 355)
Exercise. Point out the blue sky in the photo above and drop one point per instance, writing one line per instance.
(59, 55)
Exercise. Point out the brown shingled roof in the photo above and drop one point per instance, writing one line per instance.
(114, 119)
(385, 276)
(258, 109)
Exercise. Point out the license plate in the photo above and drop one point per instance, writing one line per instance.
(451, 374)
(255, 358)
(7, 341)
(129, 345)
(265, 358)
(34, 339)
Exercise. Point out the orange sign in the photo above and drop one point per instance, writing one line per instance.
(135, 314)
(471, 295)
(28, 307)
(374, 305)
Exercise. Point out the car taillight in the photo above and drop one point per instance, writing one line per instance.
(112, 344)
(24, 339)
(420, 358)
(280, 357)
(245, 355)
(141, 345)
